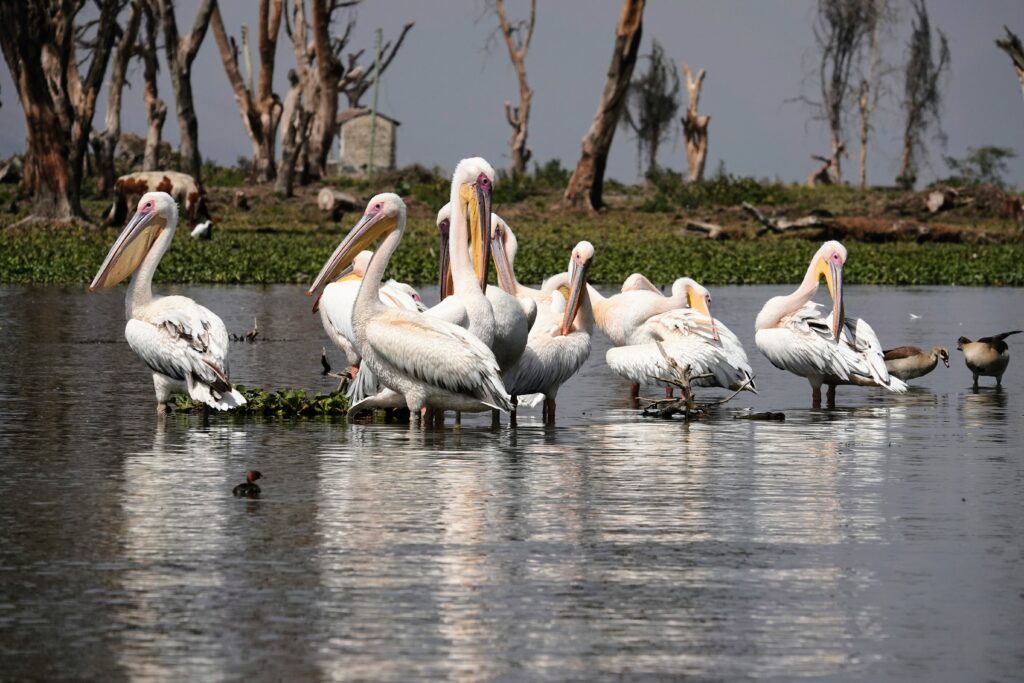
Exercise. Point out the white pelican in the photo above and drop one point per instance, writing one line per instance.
(428, 361)
(793, 335)
(185, 344)
(559, 342)
(690, 335)
(337, 299)
(512, 317)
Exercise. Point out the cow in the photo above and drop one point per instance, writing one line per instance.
(183, 187)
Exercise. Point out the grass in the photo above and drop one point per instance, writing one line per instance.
(288, 241)
(283, 402)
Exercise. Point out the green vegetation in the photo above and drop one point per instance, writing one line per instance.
(283, 402)
(278, 241)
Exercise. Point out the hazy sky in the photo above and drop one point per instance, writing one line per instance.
(448, 92)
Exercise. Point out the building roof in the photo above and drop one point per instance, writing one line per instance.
(349, 114)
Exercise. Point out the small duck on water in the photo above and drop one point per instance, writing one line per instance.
(248, 489)
(910, 362)
(987, 357)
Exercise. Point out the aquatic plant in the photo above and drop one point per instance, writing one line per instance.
(284, 402)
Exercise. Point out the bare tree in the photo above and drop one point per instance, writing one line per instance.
(39, 42)
(517, 37)
(695, 127)
(587, 180)
(156, 110)
(358, 79)
(651, 105)
(181, 52)
(922, 97)
(880, 16)
(297, 114)
(261, 111)
(1012, 46)
(840, 27)
(105, 143)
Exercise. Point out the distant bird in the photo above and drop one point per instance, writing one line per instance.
(987, 357)
(203, 231)
(248, 489)
(914, 316)
(910, 362)
(183, 343)
(829, 350)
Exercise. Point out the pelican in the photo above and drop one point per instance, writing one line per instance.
(337, 299)
(690, 335)
(910, 362)
(559, 342)
(987, 357)
(430, 362)
(512, 317)
(793, 335)
(183, 343)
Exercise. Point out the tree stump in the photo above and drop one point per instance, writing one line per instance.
(336, 202)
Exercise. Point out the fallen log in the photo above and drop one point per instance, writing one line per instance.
(781, 225)
(336, 202)
(709, 230)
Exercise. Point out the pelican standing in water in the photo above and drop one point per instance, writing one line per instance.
(337, 299)
(559, 342)
(832, 350)
(183, 343)
(428, 361)
(689, 334)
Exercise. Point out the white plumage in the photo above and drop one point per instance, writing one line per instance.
(183, 343)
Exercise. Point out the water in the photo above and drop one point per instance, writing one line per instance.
(879, 541)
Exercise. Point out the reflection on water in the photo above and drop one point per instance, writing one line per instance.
(877, 541)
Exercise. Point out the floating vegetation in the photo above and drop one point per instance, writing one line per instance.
(283, 402)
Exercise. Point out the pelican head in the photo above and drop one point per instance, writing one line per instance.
(472, 187)
(698, 298)
(155, 213)
(444, 224)
(503, 249)
(384, 213)
(829, 262)
(579, 264)
(943, 355)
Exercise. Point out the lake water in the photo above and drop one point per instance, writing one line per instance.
(879, 541)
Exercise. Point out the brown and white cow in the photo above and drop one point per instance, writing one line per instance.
(181, 186)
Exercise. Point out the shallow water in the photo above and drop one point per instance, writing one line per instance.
(879, 541)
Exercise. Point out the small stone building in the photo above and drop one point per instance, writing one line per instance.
(354, 142)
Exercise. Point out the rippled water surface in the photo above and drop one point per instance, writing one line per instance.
(878, 541)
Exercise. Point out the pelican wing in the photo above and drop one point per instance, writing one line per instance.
(859, 336)
(187, 342)
(438, 354)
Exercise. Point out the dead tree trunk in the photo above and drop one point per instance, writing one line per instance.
(864, 102)
(105, 144)
(518, 117)
(181, 52)
(1012, 46)
(39, 42)
(261, 111)
(328, 70)
(47, 175)
(358, 80)
(695, 127)
(297, 115)
(156, 110)
(587, 181)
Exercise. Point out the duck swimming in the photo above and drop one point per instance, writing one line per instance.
(248, 489)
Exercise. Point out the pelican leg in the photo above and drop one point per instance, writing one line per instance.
(495, 419)
(438, 419)
(549, 411)
(458, 418)
(634, 392)
(512, 415)
(815, 396)
(975, 382)
(831, 396)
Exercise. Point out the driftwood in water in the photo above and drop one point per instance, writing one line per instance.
(686, 405)
(765, 416)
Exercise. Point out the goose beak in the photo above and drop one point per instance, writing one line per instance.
(127, 252)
